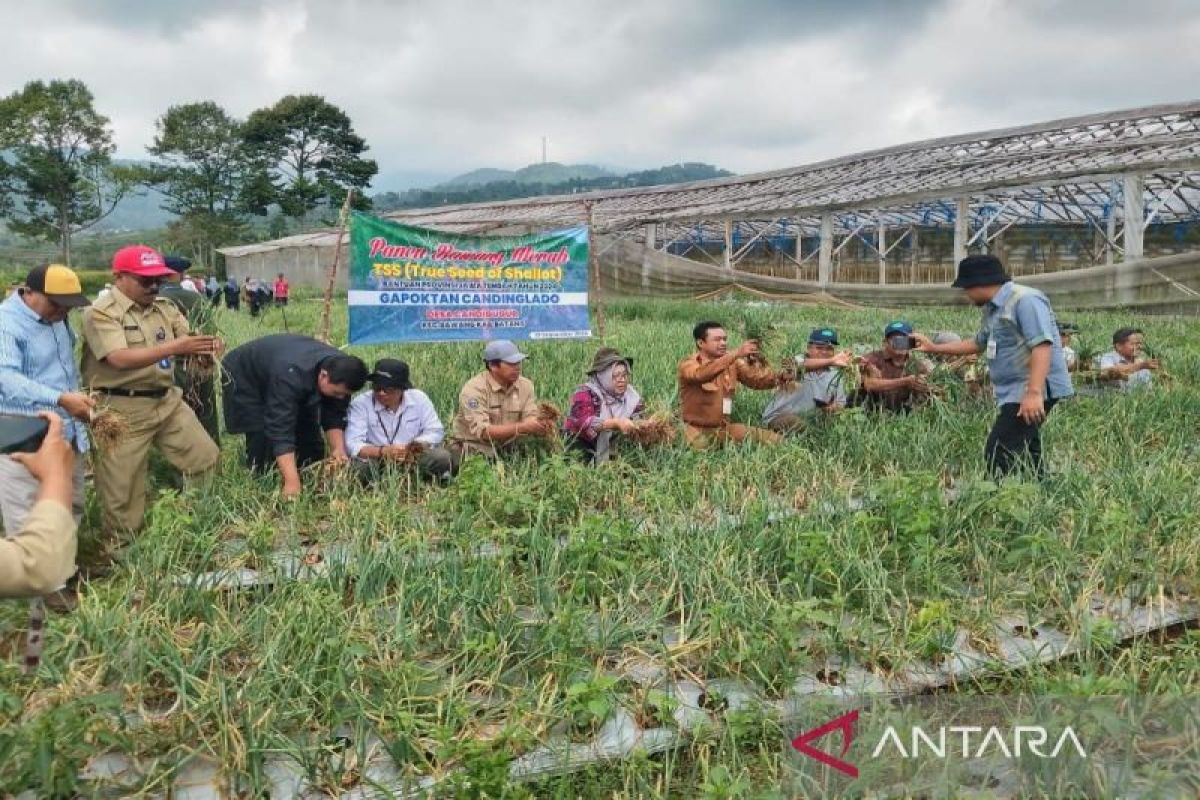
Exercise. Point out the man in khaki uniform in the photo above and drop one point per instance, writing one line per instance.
(130, 339)
(496, 408)
(707, 381)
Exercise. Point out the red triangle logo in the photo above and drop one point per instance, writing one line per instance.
(845, 724)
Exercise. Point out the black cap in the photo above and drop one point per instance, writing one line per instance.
(390, 373)
(980, 271)
(177, 263)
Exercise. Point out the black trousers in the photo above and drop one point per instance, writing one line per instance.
(1013, 443)
(310, 449)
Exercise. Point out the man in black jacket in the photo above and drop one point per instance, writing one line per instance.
(282, 391)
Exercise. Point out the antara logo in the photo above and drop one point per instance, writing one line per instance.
(964, 741)
(1012, 743)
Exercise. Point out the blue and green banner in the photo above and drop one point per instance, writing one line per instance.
(410, 284)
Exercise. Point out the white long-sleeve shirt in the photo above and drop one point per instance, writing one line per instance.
(369, 424)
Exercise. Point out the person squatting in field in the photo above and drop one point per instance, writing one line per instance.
(708, 380)
(819, 389)
(395, 425)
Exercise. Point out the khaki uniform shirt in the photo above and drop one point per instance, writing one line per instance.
(41, 557)
(483, 402)
(706, 384)
(115, 322)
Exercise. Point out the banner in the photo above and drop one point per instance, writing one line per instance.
(411, 284)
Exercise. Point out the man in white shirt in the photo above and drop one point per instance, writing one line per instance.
(1124, 367)
(1066, 332)
(395, 424)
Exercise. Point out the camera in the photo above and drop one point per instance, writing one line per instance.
(21, 434)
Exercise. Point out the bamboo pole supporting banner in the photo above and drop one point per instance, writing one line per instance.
(594, 270)
(343, 219)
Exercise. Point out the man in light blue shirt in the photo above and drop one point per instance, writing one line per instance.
(38, 373)
(819, 388)
(1020, 340)
(395, 424)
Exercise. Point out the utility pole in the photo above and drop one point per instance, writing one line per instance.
(545, 141)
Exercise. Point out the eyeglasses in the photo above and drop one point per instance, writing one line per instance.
(145, 283)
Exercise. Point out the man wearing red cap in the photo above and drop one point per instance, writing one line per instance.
(130, 339)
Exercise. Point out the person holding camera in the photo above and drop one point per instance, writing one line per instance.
(38, 373)
(891, 379)
(1019, 338)
(39, 557)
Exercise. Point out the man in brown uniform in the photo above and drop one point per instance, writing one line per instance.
(496, 408)
(891, 379)
(707, 381)
(130, 338)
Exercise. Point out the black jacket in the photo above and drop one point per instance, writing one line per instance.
(271, 387)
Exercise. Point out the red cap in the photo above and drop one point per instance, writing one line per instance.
(138, 259)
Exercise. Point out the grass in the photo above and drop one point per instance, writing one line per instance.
(458, 661)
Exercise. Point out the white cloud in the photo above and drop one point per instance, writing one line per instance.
(442, 87)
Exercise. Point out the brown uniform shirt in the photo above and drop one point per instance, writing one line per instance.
(41, 557)
(115, 322)
(704, 385)
(878, 365)
(483, 402)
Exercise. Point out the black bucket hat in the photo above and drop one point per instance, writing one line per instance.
(980, 270)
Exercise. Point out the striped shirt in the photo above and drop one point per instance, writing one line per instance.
(37, 364)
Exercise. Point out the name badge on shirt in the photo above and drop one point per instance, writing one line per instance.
(161, 336)
(727, 406)
(990, 353)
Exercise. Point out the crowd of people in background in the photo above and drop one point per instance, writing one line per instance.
(257, 294)
(147, 359)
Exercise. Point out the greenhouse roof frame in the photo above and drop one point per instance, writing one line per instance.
(1067, 165)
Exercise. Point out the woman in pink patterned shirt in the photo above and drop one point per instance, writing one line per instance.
(603, 407)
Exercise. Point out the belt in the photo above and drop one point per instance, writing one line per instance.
(156, 393)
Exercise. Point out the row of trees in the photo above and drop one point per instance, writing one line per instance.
(511, 189)
(298, 158)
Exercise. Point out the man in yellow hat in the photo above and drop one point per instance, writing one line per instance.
(38, 373)
(130, 341)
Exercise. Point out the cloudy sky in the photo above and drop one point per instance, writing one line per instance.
(439, 87)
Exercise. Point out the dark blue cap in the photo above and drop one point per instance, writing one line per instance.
(177, 263)
(899, 326)
(823, 336)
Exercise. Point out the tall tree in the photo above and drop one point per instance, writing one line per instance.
(202, 160)
(202, 171)
(58, 172)
(308, 155)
